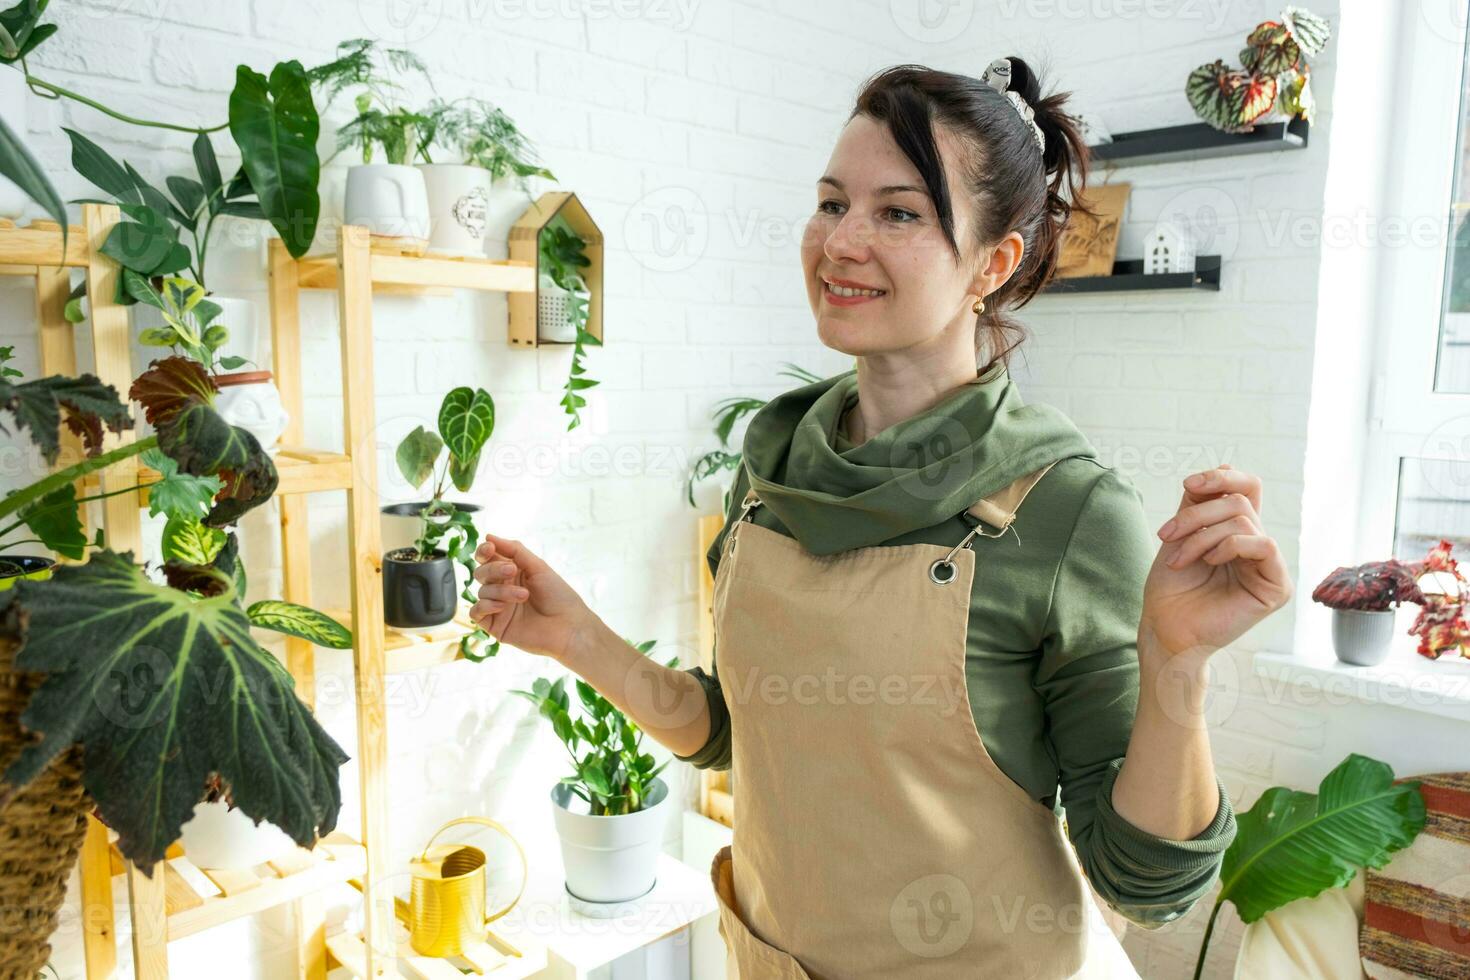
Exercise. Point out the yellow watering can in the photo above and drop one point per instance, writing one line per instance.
(446, 906)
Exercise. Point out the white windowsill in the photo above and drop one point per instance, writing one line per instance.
(1406, 680)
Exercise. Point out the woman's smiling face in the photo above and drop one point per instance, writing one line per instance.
(880, 274)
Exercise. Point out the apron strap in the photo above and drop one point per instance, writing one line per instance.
(999, 509)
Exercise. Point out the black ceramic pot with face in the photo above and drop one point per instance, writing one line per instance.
(418, 594)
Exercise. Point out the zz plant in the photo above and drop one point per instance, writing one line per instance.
(611, 770)
(466, 420)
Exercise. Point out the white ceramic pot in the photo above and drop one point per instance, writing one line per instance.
(251, 400)
(553, 306)
(458, 196)
(219, 837)
(1361, 637)
(13, 200)
(389, 199)
(609, 859)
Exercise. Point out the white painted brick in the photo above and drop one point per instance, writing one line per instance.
(694, 103)
(777, 119)
(596, 81)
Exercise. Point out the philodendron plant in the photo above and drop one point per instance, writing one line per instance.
(1293, 844)
(612, 772)
(162, 683)
(466, 420)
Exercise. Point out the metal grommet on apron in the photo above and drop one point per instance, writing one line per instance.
(876, 837)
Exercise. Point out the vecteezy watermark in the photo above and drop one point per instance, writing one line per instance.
(933, 916)
(932, 21)
(667, 229)
(402, 22)
(946, 694)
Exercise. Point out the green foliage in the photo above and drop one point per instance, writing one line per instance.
(274, 122)
(382, 119)
(1294, 844)
(165, 688)
(21, 30)
(302, 621)
(482, 135)
(85, 404)
(563, 256)
(615, 774)
(726, 415)
(189, 319)
(17, 163)
(1275, 74)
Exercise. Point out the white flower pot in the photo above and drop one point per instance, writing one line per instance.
(251, 400)
(389, 199)
(458, 197)
(614, 858)
(553, 306)
(219, 837)
(13, 200)
(1361, 637)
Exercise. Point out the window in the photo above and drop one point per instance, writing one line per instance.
(1417, 483)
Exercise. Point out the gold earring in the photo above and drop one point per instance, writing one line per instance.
(979, 307)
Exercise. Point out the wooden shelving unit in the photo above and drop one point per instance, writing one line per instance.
(1198, 141)
(1128, 276)
(168, 906)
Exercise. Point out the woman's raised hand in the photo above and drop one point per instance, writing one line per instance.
(1218, 572)
(523, 601)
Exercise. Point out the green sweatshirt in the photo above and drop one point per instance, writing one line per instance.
(1052, 657)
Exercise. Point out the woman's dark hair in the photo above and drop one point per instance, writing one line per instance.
(1013, 186)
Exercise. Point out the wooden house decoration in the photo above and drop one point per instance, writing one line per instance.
(1169, 248)
(525, 246)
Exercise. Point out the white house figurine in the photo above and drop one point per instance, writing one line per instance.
(1169, 248)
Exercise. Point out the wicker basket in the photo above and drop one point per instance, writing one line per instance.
(41, 833)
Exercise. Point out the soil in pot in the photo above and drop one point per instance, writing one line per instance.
(418, 593)
(16, 567)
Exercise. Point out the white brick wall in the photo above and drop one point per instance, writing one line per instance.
(694, 130)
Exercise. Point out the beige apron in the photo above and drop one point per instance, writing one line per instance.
(875, 837)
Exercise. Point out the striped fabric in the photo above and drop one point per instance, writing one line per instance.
(1416, 910)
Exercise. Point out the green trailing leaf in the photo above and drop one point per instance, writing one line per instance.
(1293, 844)
(209, 176)
(84, 404)
(17, 163)
(466, 420)
(57, 521)
(23, 30)
(148, 244)
(302, 621)
(275, 124)
(416, 455)
(187, 540)
(164, 690)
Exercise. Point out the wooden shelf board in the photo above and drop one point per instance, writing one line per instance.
(300, 471)
(393, 271)
(38, 244)
(1198, 141)
(336, 859)
(1128, 276)
(415, 651)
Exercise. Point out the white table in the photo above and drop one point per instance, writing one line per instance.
(577, 944)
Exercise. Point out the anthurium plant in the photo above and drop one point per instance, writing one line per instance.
(161, 682)
(1275, 74)
(451, 455)
(1293, 844)
(611, 770)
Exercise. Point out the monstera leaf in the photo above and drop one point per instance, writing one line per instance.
(1294, 844)
(89, 407)
(177, 397)
(164, 688)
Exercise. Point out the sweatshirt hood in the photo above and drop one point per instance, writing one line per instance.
(833, 496)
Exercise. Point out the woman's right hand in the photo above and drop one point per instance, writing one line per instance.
(523, 601)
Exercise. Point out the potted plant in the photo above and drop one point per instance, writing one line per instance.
(1441, 624)
(1273, 86)
(1292, 844)
(388, 198)
(562, 304)
(610, 813)
(420, 584)
(1360, 598)
(491, 149)
(726, 414)
(101, 657)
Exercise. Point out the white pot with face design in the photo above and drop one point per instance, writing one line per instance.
(251, 400)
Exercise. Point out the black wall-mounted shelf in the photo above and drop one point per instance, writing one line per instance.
(1128, 276)
(1198, 141)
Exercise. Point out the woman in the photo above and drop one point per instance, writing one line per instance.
(911, 663)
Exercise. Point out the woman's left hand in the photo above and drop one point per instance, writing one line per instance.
(1217, 573)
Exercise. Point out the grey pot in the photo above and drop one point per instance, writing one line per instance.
(1362, 637)
(610, 859)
